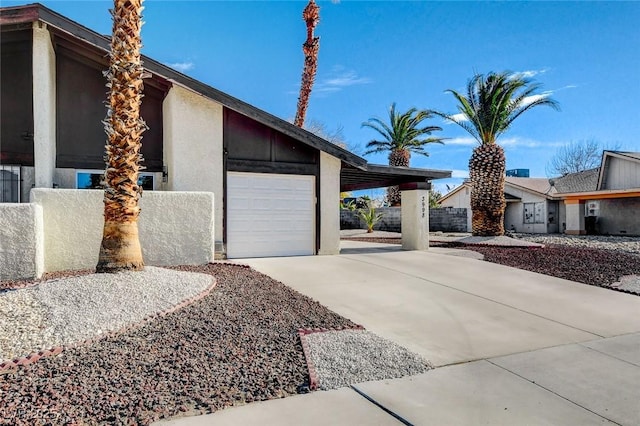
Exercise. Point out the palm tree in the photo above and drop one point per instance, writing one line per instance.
(120, 248)
(311, 15)
(491, 105)
(402, 136)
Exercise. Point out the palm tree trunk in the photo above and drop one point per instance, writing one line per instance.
(399, 158)
(310, 49)
(487, 176)
(120, 248)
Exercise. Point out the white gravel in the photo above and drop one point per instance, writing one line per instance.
(617, 243)
(628, 283)
(345, 357)
(71, 310)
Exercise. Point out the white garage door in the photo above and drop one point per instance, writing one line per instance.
(270, 215)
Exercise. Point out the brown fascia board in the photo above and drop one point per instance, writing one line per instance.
(19, 14)
(428, 174)
(34, 12)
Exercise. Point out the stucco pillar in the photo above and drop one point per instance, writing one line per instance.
(329, 204)
(44, 106)
(192, 146)
(574, 217)
(415, 216)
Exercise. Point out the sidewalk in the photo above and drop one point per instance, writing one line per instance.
(513, 347)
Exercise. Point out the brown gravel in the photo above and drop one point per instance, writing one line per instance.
(237, 345)
(596, 267)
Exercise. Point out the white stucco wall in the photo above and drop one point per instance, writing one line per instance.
(514, 213)
(44, 106)
(330, 204)
(21, 253)
(193, 151)
(174, 227)
(460, 200)
(415, 219)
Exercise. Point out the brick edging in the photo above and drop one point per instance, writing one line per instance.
(311, 368)
(7, 365)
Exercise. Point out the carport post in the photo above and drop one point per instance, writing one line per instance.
(415, 215)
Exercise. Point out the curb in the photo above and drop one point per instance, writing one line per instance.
(7, 365)
(311, 368)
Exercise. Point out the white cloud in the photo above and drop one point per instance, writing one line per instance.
(465, 141)
(530, 73)
(518, 142)
(460, 174)
(181, 66)
(338, 79)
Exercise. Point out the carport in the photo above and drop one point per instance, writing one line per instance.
(414, 185)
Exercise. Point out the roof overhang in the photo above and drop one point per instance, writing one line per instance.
(14, 17)
(600, 195)
(378, 176)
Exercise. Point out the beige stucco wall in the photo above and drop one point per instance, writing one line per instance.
(44, 106)
(193, 151)
(622, 174)
(175, 227)
(575, 218)
(330, 204)
(415, 219)
(21, 241)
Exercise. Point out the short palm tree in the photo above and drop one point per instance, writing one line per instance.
(489, 108)
(402, 136)
(120, 248)
(311, 16)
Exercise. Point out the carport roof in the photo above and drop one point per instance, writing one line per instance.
(377, 176)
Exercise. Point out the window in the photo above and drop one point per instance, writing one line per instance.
(92, 179)
(533, 212)
(9, 184)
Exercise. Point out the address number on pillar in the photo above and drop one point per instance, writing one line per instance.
(424, 205)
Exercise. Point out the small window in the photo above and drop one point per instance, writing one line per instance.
(9, 184)
(533, 212)
(92, 179)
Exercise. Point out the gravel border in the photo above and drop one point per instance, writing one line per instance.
(344, 357)
(44, 319)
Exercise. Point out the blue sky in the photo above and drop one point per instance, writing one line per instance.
(586, 54)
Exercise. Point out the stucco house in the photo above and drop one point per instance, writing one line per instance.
(276, 186)
(604, 200)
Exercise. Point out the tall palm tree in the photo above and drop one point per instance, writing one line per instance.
(311, 15)
(120, 248)
(491, 105)
(402, 136)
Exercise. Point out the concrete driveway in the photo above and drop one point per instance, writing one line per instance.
(513, 347)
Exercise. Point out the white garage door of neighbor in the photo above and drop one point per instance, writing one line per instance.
(270, 215)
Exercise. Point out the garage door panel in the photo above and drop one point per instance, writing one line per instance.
(270, 215)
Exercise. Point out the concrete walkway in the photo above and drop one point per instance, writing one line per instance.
(513, 347)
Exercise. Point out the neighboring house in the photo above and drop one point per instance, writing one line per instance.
(604, 200)
(276, 186)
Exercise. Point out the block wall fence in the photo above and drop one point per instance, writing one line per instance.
(61, 229)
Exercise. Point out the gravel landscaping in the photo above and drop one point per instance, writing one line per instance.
(237, 345)
(67, 311)
(345, 357)
(603, 261)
